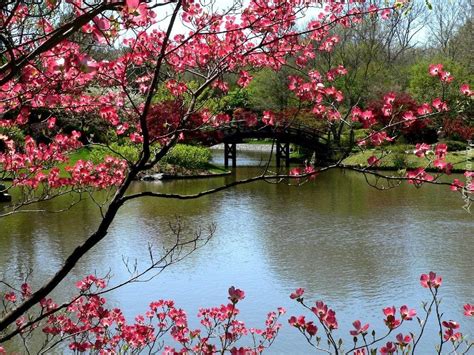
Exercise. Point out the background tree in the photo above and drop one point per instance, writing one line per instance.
(445, 21)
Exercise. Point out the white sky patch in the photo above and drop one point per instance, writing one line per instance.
(164, 14)
(221, 6)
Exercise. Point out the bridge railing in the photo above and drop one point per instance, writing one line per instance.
(238, 128)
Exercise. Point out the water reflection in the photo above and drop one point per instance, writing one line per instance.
(358, 248)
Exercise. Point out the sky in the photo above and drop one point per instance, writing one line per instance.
(220, 5)
(179, 28)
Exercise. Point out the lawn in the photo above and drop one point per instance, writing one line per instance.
(399, 159)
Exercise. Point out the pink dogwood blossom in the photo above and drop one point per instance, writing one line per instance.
(297, 294)
(359, 328)
(430, 280)
(469, 310)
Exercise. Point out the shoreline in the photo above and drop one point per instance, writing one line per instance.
(390, 168)
(246, 147)
(164, 176)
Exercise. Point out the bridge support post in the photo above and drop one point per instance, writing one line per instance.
(282, 152)
(230, 151)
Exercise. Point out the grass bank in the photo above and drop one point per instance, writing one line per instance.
(183, 159)
(402, 158)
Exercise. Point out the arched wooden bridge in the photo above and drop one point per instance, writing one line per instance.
(284, 135)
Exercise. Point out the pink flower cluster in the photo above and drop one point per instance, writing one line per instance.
(437, 70)
(450, 333)
(36, 156)
(307, 170)
(36, 165)
(419, 175)
(400, 344)
(390, 316)
(431, 280)
(301, 324)
(87, 325)
(109, 173)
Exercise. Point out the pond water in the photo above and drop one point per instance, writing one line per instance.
(357, 248)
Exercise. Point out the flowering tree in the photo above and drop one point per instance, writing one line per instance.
(363, 343)
(51, 68)
(86, 324)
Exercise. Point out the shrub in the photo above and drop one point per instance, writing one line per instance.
(188, 156)
(455, 145)
(420, 130)
(457, 129)
(400, 160)
(127, 151)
